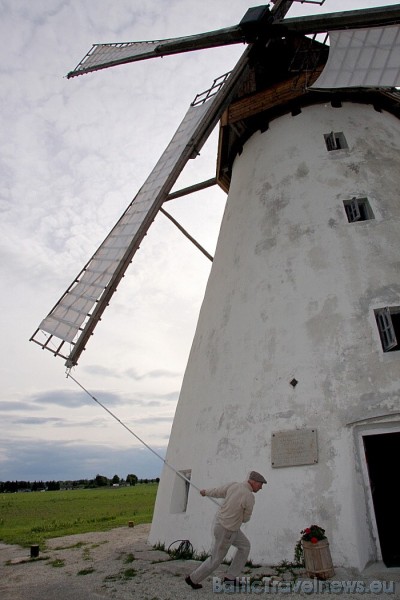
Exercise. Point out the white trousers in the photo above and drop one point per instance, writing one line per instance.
(223, 540)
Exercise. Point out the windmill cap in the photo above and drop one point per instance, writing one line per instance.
(257, 477)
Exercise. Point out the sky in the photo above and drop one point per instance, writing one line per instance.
(73, 154)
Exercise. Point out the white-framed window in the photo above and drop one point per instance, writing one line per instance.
(388, 322)
(335, 140)
(358, 209)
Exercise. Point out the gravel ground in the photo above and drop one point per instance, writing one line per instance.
(119, 564)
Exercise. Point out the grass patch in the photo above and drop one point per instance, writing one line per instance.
(129, 558)
(86, 571)
(33, 518)
(159, 546)
(122, 575)
(58, 562)
(129, 574)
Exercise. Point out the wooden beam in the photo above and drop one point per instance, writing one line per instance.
(351, 19)
(191, 189)
(185, 233)
(280, 93)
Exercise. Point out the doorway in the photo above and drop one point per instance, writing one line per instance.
(382, 452)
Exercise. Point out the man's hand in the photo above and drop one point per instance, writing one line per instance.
(203, 492)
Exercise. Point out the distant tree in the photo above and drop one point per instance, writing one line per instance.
(115, 479)
(23, 485)
(37, 485)
(101, 480)
(131, 479)
(10, 486)
(53, 486)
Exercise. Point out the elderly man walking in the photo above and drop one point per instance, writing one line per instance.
(235, 510)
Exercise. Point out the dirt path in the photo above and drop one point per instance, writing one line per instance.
(119, 564)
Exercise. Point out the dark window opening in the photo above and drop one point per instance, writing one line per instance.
(358, 209)
(335, 141)
(180, 492)
(388, 321)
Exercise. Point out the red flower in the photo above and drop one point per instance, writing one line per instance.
(313, 534)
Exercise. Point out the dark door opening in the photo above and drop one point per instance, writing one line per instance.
(382, 453)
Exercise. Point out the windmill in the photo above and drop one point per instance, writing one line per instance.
(293, 366)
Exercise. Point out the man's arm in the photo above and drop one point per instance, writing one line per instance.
(248, 509)
(219, 492)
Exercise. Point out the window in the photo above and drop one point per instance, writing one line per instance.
(388, 321)
(358, 209)
(180, 492)
(335, 141)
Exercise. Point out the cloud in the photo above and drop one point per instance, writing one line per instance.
(39, 460)
(17, 405)
(171, 397)
(38, 421)
(100, 371)
(155, 374)
(154, 419)
(76, 399)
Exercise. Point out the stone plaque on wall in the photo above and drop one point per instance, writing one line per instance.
(294, 448)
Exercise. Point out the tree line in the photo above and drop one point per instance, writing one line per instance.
(96, 482)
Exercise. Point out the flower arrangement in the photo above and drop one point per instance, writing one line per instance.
(313, 534)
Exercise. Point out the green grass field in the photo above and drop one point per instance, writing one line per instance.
(31, 518)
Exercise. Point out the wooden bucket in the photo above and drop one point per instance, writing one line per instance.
(318, 561)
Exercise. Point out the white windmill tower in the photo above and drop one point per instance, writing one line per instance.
(294, 368)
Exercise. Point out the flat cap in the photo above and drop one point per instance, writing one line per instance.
(257, 477)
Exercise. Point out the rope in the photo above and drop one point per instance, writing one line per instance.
(181, 475)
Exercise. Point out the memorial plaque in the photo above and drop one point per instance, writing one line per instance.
(294, 448)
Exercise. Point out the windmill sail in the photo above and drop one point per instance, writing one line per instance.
(350, 19)
(102, 56)
(74, 317)
(79, 309)
(362, 58)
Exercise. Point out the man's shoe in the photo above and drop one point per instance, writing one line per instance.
(195, 586)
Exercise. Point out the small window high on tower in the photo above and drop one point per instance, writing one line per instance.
(335, 141)
(388, 321)
(358, 209)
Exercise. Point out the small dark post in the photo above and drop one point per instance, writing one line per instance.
(35, 551)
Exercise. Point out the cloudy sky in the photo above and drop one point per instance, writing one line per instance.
(73, 154)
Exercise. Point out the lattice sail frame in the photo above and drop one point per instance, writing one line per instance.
(103, 56)
(67, 328)
(368, 58)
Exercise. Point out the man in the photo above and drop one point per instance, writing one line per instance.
(235, 510)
